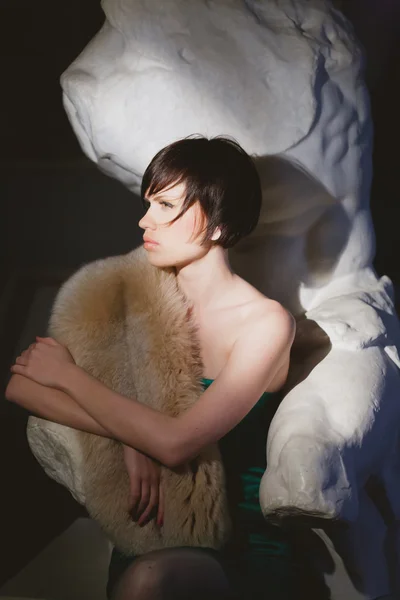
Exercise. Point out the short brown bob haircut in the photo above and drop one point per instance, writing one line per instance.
(217, 173)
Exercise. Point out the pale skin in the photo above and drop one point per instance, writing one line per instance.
(245, 340)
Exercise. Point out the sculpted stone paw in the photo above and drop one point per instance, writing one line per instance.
(309, 485)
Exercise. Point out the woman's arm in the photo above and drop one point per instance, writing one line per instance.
(51, 404)
(128, 420)
(55, 405)
(255, 359)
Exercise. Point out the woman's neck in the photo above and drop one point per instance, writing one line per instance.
(205, 281)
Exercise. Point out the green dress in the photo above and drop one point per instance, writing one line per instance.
(258, 559)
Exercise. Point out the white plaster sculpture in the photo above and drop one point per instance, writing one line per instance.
(280, 77)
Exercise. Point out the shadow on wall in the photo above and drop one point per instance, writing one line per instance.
(300, 236)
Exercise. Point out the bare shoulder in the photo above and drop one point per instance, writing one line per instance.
(265, 336)
(272, 314)
(263, 344)
(261, 312)
(270, 322)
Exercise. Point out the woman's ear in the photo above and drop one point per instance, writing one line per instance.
(216, 235)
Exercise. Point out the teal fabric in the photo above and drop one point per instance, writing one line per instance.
(243, 452)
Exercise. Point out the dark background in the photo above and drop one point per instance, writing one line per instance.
(58, 212)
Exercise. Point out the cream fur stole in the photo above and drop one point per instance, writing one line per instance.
(125, 322)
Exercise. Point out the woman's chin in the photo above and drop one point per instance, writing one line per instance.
(158, 261)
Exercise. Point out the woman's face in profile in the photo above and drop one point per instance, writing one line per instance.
(178, 243)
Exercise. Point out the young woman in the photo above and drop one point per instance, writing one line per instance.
(202, 196)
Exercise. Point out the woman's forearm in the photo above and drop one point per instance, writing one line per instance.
(128, 420)
(52, 405)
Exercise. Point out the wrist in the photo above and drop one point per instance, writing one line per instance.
(129, 451)
(69, 376)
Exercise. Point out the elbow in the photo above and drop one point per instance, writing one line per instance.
(10, 390)
(16, 390)
(177, 455)
(172, 458)
(176, 447)
(174, 455)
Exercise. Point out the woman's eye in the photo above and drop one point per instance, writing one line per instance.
(146, 204)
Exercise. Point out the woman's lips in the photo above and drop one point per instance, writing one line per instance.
(150, 245)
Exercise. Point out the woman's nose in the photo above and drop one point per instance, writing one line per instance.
(145, 221)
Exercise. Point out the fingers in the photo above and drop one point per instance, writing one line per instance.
(26, 353)
(144, 477)
(160, 512)
(141, 476)
(33, 346)
(151, 505)
(47, 340)
(136, 494)
(21, 360)
(145, 497)
(140, 486)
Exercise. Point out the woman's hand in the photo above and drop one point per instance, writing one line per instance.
(145, 486)
(44, 362)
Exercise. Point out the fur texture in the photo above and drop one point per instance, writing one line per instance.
(125, 322)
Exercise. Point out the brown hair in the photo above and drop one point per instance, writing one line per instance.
(217, 173)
